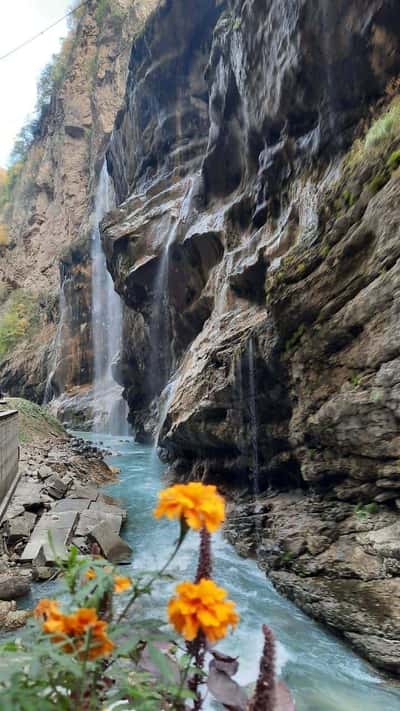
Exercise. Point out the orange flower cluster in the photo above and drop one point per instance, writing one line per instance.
(73, 629)
(202, 607)
(121, 583)
(199, 504)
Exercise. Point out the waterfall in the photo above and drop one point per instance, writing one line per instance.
(160, 356)
(108, 406)
(255, 474)
(49, 392)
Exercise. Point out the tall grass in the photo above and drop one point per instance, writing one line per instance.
(386, 128)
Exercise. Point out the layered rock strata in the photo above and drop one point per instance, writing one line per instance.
(256, 249)
(45, 266)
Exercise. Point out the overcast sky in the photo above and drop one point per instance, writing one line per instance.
(20, 20)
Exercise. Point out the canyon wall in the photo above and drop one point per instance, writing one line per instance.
(256, 248)
(45, 269)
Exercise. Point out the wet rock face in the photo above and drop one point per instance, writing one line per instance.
(287, 83)
(257, 257)
(166, 109)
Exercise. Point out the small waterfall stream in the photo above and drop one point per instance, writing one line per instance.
(50, 390)
(160, 356)
(255, 473)
(109, 408)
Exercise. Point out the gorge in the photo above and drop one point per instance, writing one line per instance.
(253, 147)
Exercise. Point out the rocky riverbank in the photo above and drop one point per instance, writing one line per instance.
(339, 562)
(58, 491)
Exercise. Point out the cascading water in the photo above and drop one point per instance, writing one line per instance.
(161, 343)
(50, 391)
(109, 407)
(255, 474)
(160, 357)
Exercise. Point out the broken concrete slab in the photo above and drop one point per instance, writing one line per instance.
(60, 526)
(79, 542)
(108, 508)
(113, 547)
(28, 495)
(90, 519)
(79, 491)
(70, 504)
(43, 572)
(13, 511)
(20, 527)
(44, 472)
(110, 500)
(57, 488)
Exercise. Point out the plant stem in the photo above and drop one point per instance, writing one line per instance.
(151, 581)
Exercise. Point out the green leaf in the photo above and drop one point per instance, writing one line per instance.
(164, 665)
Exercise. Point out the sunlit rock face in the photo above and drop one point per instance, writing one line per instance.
(49, 218)
(258, 261)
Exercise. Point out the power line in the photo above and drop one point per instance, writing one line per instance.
(39, 34)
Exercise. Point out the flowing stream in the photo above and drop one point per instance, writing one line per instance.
(322, 672)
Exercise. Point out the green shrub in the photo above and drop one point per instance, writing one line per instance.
(367, 510)
(355, 380)
(20, 318)
(385, 128)
(393, 161)
(102, 10)
(377, 182)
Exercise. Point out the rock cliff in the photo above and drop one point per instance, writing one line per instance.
(256, 247)
(45, 270)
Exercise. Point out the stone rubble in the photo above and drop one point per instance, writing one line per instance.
(57, 502)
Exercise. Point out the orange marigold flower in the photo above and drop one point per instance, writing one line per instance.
(74, 628)
(47, 608)
(121, 584)
(199, 504)
(90, 574)
(202, 607)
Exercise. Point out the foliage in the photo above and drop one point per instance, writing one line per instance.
(386, 128)
(8, 181)
(79, 653)
(18, 320)
(393, 161)
(34, 421)
(355, 380)
(363, 511)
(105, 9)
(50, 80)
(378, 182)
(380, 137)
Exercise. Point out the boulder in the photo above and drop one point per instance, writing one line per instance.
(14, 585)
(101, 509)
(71, 504)
(385, 542)
(10, 617)
(113, 547)
(84, 492)
(20, 527)
(56, 487)
(89, 519)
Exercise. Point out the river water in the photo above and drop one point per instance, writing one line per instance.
(322, 673)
